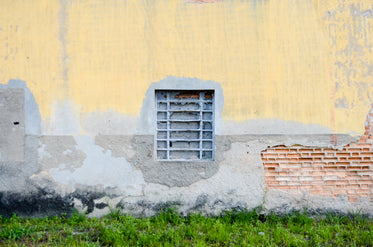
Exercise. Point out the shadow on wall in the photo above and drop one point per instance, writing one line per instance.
(323, 171)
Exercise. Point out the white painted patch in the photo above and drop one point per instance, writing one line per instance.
(100, 168)
(78, 205)
(109, 123)
(42, 152)
(64, 119)
(68, 151)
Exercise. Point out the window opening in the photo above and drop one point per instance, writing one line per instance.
(185, 125)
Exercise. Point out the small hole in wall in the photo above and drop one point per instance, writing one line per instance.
(15, 123)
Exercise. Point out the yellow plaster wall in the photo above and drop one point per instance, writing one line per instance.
(305, 61)
(30, 48)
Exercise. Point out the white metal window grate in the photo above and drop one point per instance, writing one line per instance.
(185, 125)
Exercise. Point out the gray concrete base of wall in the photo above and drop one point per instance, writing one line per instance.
(61, 174)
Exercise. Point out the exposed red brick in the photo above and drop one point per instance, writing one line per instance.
(323, 171)
(343, 154)
(340, 191)
(352, 186)
(269, 155)
(317, 154)
(292, 155)
(366, 181)
(343, 163)
(330, 167)
(305, 159)
(354, 159)
(353, 150)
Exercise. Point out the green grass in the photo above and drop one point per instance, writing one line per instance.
(168, 228)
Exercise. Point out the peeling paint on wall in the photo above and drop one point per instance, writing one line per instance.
(285, 75)
(306, 62)
(100, 169)
(349, 28)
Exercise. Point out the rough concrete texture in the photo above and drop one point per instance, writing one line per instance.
(282, 202)
(173, 173)
(194, 186)
(93, 174)
(21, 194)
(12, 124)
(14, 176)
(119, 171)
(30, 108)
(118, 145)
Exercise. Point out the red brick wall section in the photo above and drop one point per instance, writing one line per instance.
(323, 171)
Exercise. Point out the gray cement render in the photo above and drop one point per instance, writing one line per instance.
(19, 117)
(31, 110)
(170, 173)
(121, 169)
(12, 124)
(57, 150)
(79, 167)
(14, 175)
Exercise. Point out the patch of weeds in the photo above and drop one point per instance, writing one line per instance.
(335, 218)
(242, 216)
(77, 218)
(169, 228)
(358, 217)
(168, 215)
(115, 213)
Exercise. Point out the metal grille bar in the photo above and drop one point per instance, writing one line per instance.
(185, 125)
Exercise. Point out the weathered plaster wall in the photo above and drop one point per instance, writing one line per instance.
(293, 64)
(284, 73)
